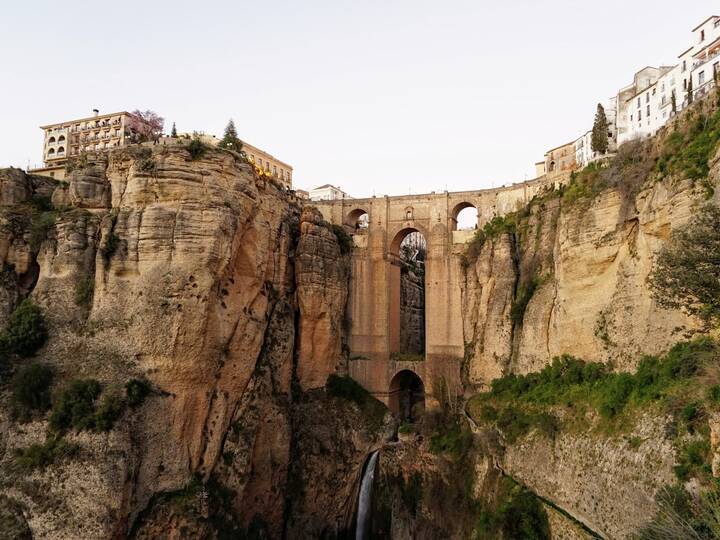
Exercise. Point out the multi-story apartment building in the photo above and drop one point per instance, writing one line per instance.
(657, 94)
(95, 133)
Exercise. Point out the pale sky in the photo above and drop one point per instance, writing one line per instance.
(378, 97)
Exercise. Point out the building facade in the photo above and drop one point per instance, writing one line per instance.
(327, 192)
(96, 133)
(657, 94)
(560, 159)
(269, 163)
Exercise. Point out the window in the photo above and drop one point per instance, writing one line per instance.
(684, 84)
(647, 97)
(684, 68)
(639, 116)
(701, 78)
(702, 35)
(639, 102)
(648, 111)
(654, 91)
(631, 117)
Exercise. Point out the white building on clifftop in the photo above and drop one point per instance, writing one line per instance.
(657, 94)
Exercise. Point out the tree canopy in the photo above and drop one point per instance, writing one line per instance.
(145, 125)
(230, 139)
(599, 141)
(687, 271)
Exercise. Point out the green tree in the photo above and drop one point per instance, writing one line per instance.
(687, 271)
(173, 133)
(690, 90)
(26, 330)
(599, 141)
(230, 139)
(31, 387)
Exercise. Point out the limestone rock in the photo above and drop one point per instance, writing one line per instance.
(322, 274)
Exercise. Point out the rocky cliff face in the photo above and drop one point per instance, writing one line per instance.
(570, 277)
(577, 274)
(204, 279)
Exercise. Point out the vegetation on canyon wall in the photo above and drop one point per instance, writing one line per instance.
(687, 273)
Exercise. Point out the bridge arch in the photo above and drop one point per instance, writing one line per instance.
(407, 395)
(462, 216)
(402, 234)
(406, 286)
(359, 218)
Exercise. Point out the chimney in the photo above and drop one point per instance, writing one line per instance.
(96, 112)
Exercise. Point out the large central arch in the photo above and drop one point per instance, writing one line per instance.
(407, 294)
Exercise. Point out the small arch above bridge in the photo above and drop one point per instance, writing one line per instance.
(359, 218)
(464, 216)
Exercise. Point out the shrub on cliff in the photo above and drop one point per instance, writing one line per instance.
(686, 274)
(137, 390)
(687, 151)
(517, 513)
(76, 408)
(197, 148)
(39, 456)
(348, 389)
(494, 228)
(31, 388)
(26, 331)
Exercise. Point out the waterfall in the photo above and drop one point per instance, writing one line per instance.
(365, 498)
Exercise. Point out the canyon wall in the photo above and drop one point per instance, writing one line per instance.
(586, 264)
(206, 280)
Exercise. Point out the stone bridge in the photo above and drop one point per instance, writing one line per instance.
(374, 301)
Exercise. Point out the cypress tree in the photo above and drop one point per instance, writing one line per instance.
(599, 141)
(173, 133)
(690, 90)
(230, 139)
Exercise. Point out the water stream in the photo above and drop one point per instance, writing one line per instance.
(362, 528)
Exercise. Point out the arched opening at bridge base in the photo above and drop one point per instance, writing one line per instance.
(407, 296)
(407, 396)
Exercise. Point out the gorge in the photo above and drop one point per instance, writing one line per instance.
(220, 359)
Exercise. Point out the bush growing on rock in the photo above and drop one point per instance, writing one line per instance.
(26, 331)
(518, 513)
(76, 408)
(686, 274)
(31, 388)
(197, 148)
(41, 455)
(348, 389)
(137, 390)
